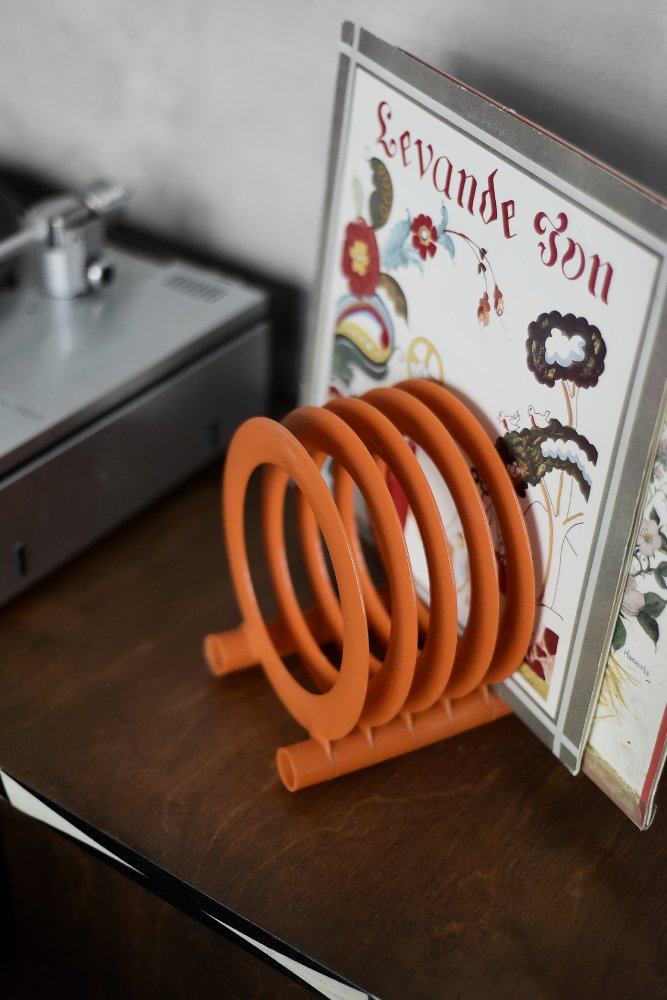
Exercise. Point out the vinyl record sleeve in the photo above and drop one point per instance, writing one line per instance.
(627, 745)
(463, 243)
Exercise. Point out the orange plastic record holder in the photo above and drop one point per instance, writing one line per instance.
(370, 710)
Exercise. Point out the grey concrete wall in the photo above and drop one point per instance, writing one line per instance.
(218, 113)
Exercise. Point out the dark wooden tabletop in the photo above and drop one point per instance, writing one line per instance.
(478, 867)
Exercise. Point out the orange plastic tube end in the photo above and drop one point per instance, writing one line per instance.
(227, 652)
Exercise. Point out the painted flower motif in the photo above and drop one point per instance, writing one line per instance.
(542, 654)
(498, 301)
(633, 600)
(649, 537)
(424, 236)
(361, 259)
(483, 310)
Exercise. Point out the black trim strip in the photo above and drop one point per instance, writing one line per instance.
(216, 916)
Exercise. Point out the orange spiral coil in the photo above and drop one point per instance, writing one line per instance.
(430, 682)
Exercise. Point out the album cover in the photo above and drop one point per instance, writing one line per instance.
(627, 746)
(463, 243)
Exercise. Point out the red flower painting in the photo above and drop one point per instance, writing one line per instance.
(361, 260)
(542, 654)
(424, 236)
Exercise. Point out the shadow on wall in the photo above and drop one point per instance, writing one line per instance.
(624, 148)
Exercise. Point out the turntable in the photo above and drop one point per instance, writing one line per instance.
(120, 376)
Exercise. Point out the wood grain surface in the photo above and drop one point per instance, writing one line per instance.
(473, 868)
(82, 931)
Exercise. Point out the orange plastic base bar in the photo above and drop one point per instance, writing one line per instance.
(310, 761)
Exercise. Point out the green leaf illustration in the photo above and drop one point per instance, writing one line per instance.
(618, 640)
(649, 625)
(444, 239)
(654, 604)
(654, 515)
(663, 547)
(394, 293)
(383, 194)
(660, 574)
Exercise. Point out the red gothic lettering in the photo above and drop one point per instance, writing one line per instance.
(596, 267)
(488, 202)
(445, 187)
(540, 221)
(508, 212)
(405, 146)
(464, 178)
(384, 112)
(573, 249)
(423, 164)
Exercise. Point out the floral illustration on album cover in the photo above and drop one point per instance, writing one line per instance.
(630, 715)
(637, 646)
(433, 281)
